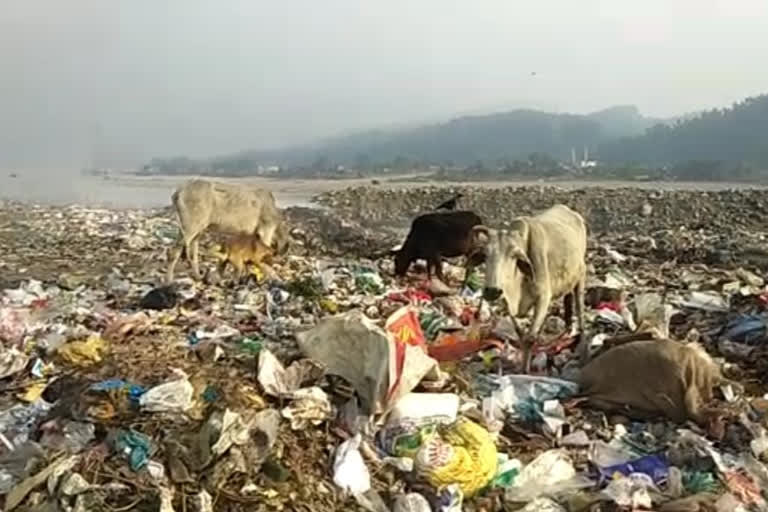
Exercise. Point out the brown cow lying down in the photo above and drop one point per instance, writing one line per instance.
(647, 379)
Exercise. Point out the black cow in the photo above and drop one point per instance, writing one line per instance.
(434, 236)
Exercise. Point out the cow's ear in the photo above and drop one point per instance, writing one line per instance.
(525, 266)
(480, 235)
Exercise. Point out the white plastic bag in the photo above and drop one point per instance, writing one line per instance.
(349, 470)
(175, 395)
(549, 473)
(411, 502)
(631, 491)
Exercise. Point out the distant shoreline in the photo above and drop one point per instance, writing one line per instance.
(126, 191)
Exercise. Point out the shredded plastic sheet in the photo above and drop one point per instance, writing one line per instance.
(548, 474)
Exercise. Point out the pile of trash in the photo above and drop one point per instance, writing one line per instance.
(330, 385)
(605, 209)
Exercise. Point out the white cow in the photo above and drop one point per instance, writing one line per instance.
(229, 208)
(536, 261)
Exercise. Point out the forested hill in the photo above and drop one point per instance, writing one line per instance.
(738, 135)
(461, 141)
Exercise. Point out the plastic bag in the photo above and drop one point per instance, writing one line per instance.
(631, 491)
(14, 323)
(83, 353)
(655, 466)
(542, 505)
(173, 396)
(134, 446)
(12, 361)
(15, 465)
(440, 407)
(310, 406)
(411, 502)
(380, 368)
(710, 302)
(549, 473)
(464, 455)
(72, 436)
(349, 470)
(279, 381)
(19, 421)
(521, 396)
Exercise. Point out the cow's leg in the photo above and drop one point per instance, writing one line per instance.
(568, 311)
(174, 257)
(267, 234)
(184, 245)
(582, 344)
(540, 310)
(222, 266)
(194, 245)
(469, 266)
(438, 262)
(240, 271)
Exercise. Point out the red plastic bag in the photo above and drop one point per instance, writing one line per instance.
(453, 347)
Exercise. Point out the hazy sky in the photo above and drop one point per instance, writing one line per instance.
(201, 77)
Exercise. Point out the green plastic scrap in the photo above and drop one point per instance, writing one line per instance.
(309, 287)
(369, 282)
(475, 281)
(135, 447)
(431, 323)
(699, 481)
(250, 345)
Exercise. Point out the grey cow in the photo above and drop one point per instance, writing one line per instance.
(536, 261)
(229, 208)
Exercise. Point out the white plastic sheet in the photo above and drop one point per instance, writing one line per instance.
(173, 396)
(349, 470)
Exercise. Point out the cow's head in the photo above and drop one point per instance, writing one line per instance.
(282, 238)
(505, 255)
(401, 261)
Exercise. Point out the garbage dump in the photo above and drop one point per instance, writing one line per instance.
(330, 384)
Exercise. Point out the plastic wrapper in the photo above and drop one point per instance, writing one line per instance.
(349, 470)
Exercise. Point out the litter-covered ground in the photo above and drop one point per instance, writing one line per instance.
(326, 384)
